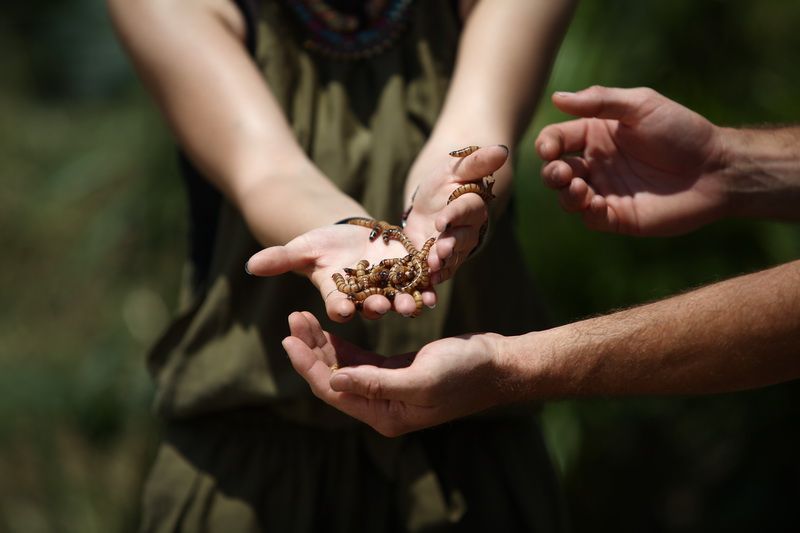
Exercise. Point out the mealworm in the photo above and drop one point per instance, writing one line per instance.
(464, 152)
(482, 189)
(407, 274)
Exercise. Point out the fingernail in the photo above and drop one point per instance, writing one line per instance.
(504, 147)
(432, 306)
(247, 269)
(563, 94)
(341, 382)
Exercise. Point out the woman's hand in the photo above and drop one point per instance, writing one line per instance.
(456, 225)
(321, 252)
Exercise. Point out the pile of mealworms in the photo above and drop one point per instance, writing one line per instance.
(408, 274)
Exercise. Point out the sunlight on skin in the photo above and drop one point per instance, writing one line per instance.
(321, 252)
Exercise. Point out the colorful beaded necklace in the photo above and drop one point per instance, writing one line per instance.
(365, 30)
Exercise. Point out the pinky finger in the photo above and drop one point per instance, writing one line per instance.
(429, 298)
(599, 216)
(576, 197)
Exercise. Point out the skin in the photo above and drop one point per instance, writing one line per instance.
(733, 335)
(228, 122)
(640, 164)
(728, 336)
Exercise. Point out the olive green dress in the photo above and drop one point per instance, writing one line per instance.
(247, 447)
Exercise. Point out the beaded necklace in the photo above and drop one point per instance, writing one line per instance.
(350, 35)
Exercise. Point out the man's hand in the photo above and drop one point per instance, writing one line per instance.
(321, 252)
(457, 224)
(638, 163)
(446, 379)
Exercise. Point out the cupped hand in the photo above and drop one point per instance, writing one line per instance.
(457, 225)
(321, 252)
(637, 163)
(446, 379)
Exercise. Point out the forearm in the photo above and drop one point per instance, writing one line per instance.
(762, 172)
(191, 58)
(737, 334)
(505, 53)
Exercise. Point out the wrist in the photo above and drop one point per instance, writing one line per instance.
(526, 366)
(279, 208)
(761, 172)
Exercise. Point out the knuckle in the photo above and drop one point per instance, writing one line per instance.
(373, 389)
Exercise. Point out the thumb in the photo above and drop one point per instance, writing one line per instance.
(625, 105)
(480, 163)
(375, 383)
(278, 260)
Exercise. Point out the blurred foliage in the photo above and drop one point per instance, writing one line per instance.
(92, 226)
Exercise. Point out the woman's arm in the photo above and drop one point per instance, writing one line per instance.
(505, 53)
(191, 56)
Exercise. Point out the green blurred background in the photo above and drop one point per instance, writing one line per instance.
(92, 233)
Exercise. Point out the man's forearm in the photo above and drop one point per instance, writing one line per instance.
(733, 335)
(762, 172)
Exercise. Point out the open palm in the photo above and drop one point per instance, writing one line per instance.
(446, 379)
(321, 252)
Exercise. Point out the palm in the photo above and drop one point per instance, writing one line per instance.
(324, 251)
(652, 182)
(446, 379)
(645, 165)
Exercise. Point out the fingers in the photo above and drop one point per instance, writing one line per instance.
(307, 328)
(625, 105)
(560, 173)
(429, 298)
(452, 249)
(576, 194)
(338, 307)
(313, 369)
(480, 163)
(375, 307)
(557, 139)
(576, 197)
(569, 176)
(318, 374)
(466, 210)
(600, 216)
(581, 198)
